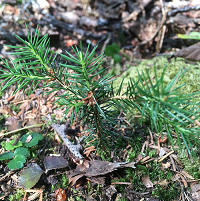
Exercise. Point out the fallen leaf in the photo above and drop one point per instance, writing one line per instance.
(166, 165)
(96, 168)
(54, 162)
(28, 139)
(74, 179)
(13, 124)
(191, 53)
(60, 195)
(146, 181)
(33, 129)
(3, 111)
(164, 139)
(163, 183)
(30, 176)
(195, 191)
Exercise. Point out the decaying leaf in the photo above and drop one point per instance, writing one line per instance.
(13, 123)
(30, 176)
(164, 139)
(28, 139)
(94, 169)
(74, 179)
(54, 162)
(147, 182)
(3, 111)
(191, 53)
(31, 123)
(166, 165)
(60, 195)
(195, 191)
(163, 183)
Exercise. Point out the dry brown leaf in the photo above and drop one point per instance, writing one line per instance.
(163, 183)
(147, 182)
(187, 175)
(164, 139)
(74, 179)
(3, 111)
(60, 195)
(195, 191)
(166, 165)
(28, 139)
(191, 53)
(13, 123)
(93, 169)
(31, 123)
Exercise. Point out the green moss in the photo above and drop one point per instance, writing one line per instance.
(15, 108)
(63, 183)
(192, 167)
(156, 174)
(165, 194)
(191, 77)
(19, 193)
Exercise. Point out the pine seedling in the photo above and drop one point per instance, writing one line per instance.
(90, 95)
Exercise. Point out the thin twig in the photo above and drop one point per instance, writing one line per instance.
(17, 130)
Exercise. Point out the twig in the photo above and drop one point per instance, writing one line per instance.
(27, 127)
(35, 195)
(181, 10)
(171, 152)
(161, 33)
(151, 136)
(7, 175)
(105, 43)
(173, 163)
(195, 121)
(139, 194)
(125, 183)
(74, 149)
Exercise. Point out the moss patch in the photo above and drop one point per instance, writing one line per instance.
(191, 77)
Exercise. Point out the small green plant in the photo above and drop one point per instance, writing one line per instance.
(95, 102)
(191, 35)
(113, 51)
(19, 194)
(19, 152)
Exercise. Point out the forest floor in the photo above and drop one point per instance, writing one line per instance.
(135, 35)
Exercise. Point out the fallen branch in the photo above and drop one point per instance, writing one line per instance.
(74, 149)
